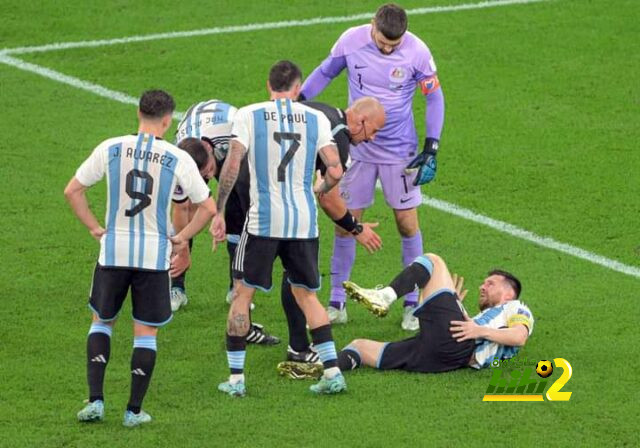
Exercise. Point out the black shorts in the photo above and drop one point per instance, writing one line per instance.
(150, 295)
(433, 349)
(238, 203)
(236, 210)
(254, 257)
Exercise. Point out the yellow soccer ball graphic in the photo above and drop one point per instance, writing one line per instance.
(544, 368)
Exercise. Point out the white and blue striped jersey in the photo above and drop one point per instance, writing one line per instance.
(506, 315)
(282, 138)
(142, 172)
(211, 119)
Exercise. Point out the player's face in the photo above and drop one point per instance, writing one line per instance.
(492, 292)
(386, 46)
(209, 170)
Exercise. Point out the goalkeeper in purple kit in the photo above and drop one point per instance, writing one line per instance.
(385, 61)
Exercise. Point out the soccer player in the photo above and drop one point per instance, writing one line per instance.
(448, 338)
(385, 61)
(142, 171)
(358, 123)
(281, 139)
(208, 124)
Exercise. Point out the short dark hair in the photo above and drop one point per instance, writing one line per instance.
(283, 75)
(391, 20)
(510, 279)
(197, 151)
(156, 104)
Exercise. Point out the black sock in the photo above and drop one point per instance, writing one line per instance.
(323, 342)
(231, 250)
(298, 338)
(414, 275)
(98, 350)
(236, 352)
(349, 359)
(142, 362)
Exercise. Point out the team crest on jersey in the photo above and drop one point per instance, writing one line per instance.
(398, 74)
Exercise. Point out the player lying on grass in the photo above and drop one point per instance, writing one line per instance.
(448, 338)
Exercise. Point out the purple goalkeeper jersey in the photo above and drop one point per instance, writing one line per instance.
(392, 79)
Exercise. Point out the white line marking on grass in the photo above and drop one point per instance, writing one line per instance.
(549, 243)
(256, 27)
(74, 82)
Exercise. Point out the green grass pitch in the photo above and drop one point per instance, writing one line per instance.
(541, 131)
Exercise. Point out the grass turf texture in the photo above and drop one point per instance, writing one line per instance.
(540, 132)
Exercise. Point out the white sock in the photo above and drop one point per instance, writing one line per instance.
(236, 378)
(331, 372)
(389, 294)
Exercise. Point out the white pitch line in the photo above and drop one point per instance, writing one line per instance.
(256, 27)
(72, 81)
(517, 232)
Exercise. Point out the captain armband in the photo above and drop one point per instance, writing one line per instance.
(519, 319)
(429, 85)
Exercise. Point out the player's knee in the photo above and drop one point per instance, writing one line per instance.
(357, 343)
(407, 224)
(144, 330)
(436, 260)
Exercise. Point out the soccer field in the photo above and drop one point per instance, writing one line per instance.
(538, 173)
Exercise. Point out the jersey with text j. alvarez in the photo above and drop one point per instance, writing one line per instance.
(142, 172)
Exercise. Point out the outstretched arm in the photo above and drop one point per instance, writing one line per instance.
(228, 177)
(229, 173)
(322, 76)
(335, 207)
(331, 158)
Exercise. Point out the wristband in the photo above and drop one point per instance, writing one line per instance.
(349, 223)
(431, 145)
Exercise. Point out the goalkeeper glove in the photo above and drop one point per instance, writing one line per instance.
(425, 163)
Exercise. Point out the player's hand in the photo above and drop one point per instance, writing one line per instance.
(218, 230)
(318, 185)
(425, 163)
(97, 233)
(180, 262)
(462, 330)
(179, 243)
(458, 281)
(369, 238)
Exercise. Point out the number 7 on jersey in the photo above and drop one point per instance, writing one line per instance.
(294, 137)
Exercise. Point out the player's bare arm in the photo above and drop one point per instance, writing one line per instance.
(229, 173)
(75, 195)
(515, 336)
(205, 211)
(228, 177)
(336, 209)
(331, 159)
